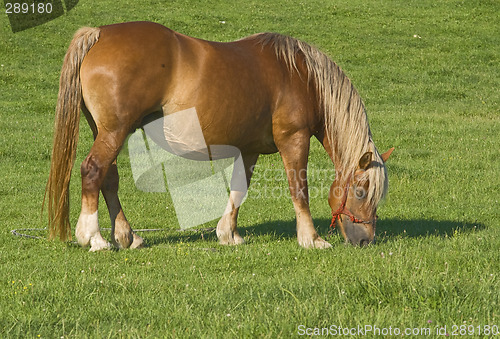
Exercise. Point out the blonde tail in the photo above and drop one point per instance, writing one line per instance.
(66, 133)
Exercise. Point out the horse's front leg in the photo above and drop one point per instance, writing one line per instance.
(294, 150)
(227, 231)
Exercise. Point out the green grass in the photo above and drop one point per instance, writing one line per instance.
(428, 73)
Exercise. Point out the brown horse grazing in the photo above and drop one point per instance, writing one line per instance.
(262, 94)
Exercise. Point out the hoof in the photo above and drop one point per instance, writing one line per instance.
(123, 240)
(99, 244)
(320, 243)
(317, 242)
(138, 242)
(230, 238)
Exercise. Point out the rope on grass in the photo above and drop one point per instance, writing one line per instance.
(18, 234)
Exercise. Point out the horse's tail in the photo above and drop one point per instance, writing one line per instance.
(66, 133)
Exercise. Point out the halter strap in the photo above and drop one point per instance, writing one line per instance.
(345, 211)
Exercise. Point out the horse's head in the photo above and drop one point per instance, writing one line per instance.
(354, 202)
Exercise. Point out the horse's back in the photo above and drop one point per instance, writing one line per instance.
(146, 67)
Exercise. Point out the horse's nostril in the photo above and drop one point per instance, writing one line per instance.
(364, 242)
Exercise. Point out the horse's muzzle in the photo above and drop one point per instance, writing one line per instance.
(357, 234)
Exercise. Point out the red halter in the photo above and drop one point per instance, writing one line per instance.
(345, 211)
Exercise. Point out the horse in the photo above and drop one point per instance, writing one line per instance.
(262, 94)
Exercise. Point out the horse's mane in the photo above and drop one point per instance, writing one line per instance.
(345, 117)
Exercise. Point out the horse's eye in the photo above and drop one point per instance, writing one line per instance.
(359, 192)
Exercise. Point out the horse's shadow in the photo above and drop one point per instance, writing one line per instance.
(387, 229)
(392, 228)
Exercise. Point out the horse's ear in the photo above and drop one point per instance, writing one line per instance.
(365, 161)
(387, 154)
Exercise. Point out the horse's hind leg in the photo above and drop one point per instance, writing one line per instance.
(94, 170)
(122, 235)
(226, 227)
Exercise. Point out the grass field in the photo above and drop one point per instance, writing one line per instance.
(429, 74)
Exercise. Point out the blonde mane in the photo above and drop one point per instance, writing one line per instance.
(344, 113)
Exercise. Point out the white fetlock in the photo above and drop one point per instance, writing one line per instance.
(86, 227)
(87, 233)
